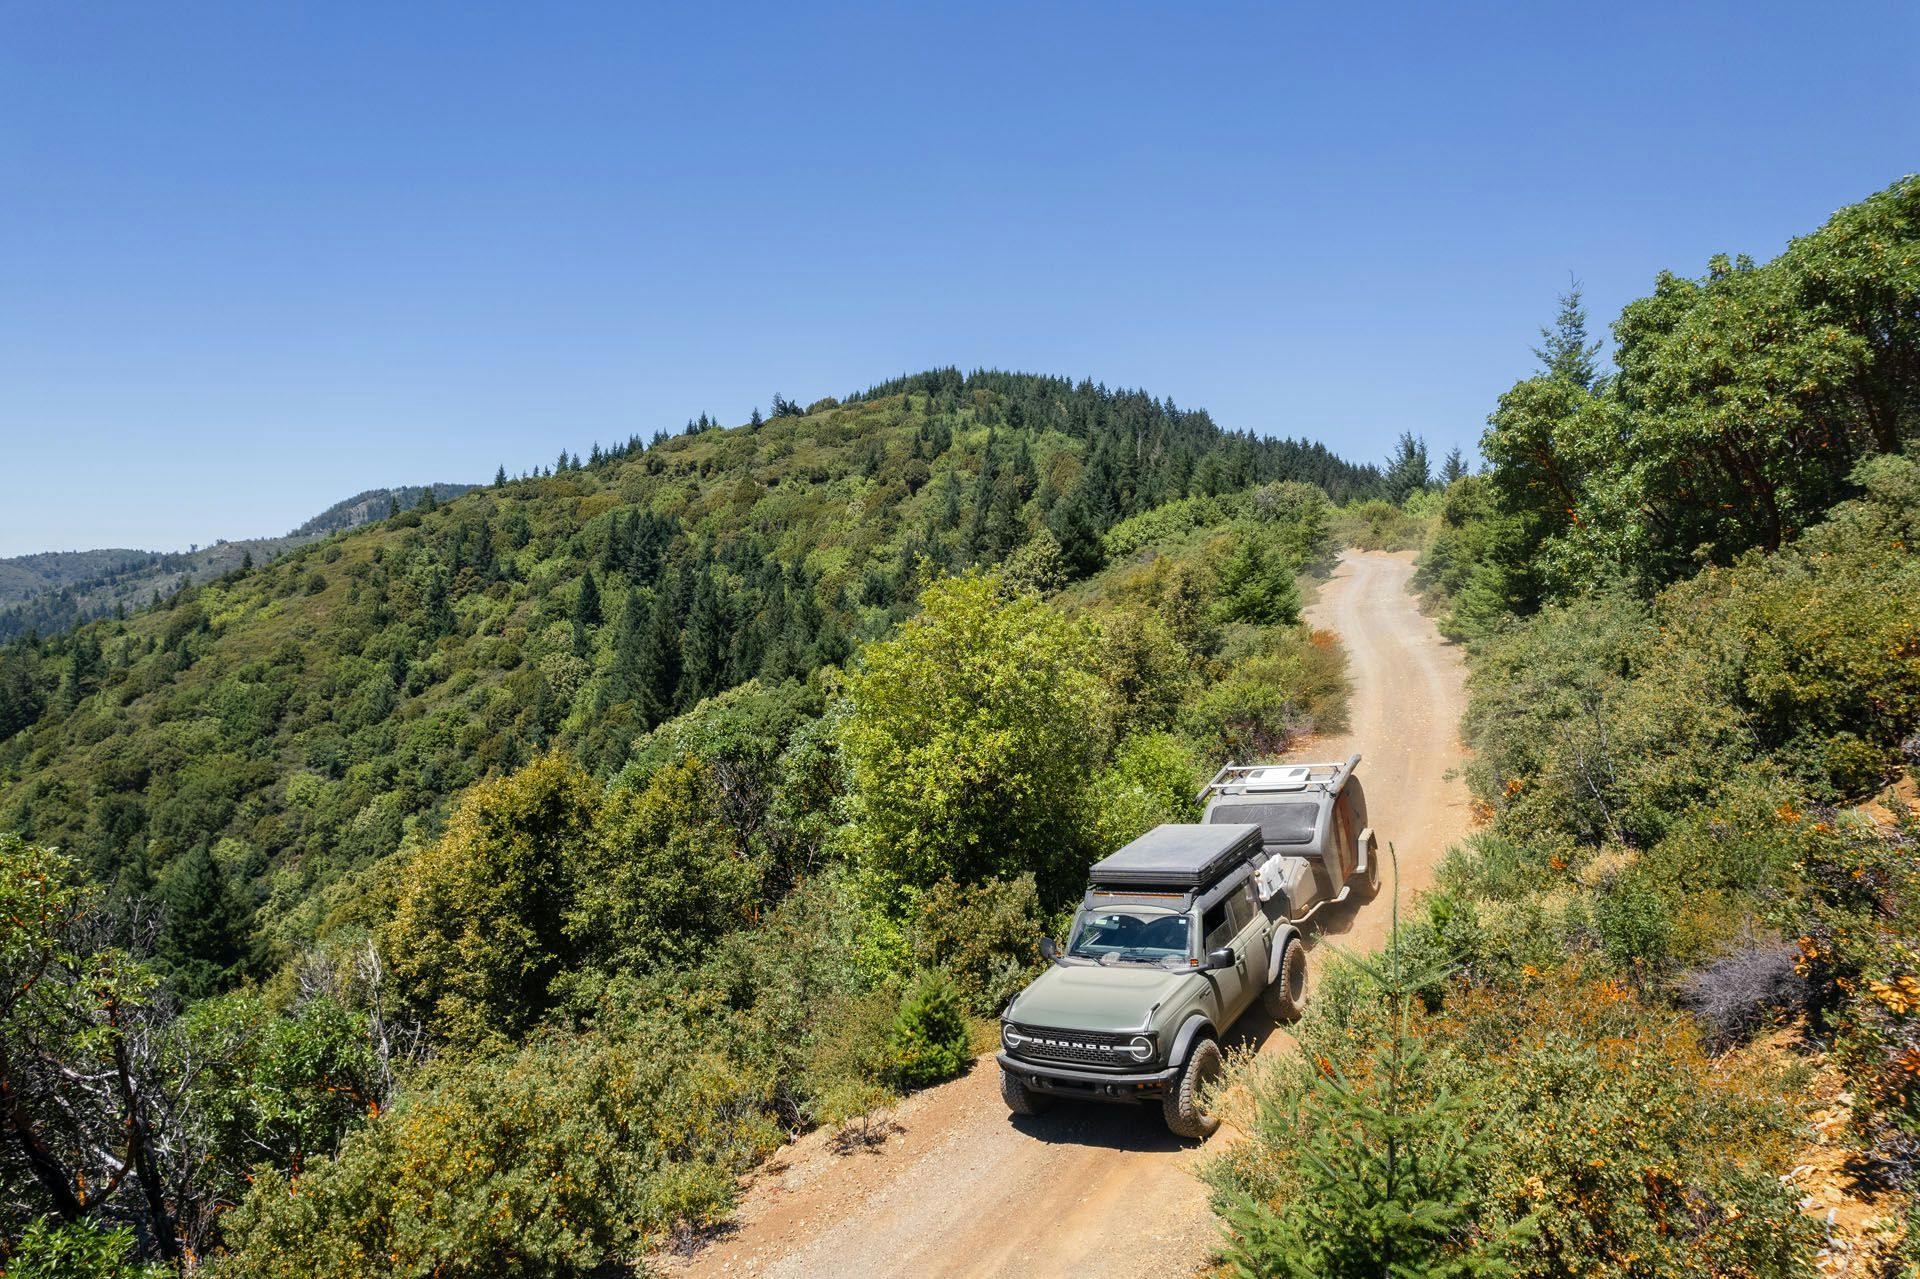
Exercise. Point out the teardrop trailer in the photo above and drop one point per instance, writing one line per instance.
(1179, 932)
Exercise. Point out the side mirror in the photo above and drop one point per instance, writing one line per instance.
(1049, 951)
(1222, 958)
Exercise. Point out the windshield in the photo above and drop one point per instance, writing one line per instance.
(1129, 934)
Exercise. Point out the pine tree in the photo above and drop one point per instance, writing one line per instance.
(705, 647)
(1071, 524)
(393, 505)
(658, 666)
(427, 500)
(1566, 353)
(627, 680)
(500, 476)
(586, 603)
(756, 421)
(203, 946)
(1256, 585)
(1453, 468)
(1408, 471)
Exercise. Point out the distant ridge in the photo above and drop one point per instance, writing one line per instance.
(50, 592)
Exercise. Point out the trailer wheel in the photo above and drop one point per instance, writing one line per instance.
(1286, 995)
(1020, 1099)
(1185, 1111)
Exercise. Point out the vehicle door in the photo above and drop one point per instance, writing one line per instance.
(1229, 984)
(1252, 939)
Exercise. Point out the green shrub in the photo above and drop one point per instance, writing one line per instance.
(1151, 780)
(983, 936)
(1634, 920)
(80, 1250)
(1147, 671)
(1261, 703)
(1377, 525)
(929, 1040)
(550, 1162)
(1600, 1141)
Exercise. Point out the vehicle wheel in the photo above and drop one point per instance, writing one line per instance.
(1286, 995)
(1020, 1099)
(1186, 1116)
(1370, 885)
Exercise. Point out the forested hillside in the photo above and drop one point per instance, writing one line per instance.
(54, 591)
(480, 890)
(1688, 586)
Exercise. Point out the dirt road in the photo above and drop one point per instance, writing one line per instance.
(963, 1190)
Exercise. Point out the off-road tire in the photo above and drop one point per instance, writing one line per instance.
(1186, 1117)
(1020, 1099)
(1285, 997)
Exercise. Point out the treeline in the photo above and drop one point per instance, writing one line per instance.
(1687, 587)
(1147, 451)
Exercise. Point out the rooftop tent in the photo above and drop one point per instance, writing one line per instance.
(1183, 855)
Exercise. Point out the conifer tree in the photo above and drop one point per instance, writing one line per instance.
(1072, 526)
(1453, 468)
(706, 644)
(1408, 471)
(203, 945)
(658, 666)
(1565, 352)
(586, 603)
(427, 500)
(500, 476)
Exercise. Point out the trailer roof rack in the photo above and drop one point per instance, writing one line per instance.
(1247, 779)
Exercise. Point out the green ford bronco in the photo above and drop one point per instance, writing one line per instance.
(1177, 935)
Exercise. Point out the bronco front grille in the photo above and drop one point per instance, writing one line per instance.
(1081, 1047)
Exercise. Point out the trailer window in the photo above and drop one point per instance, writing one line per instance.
(1289, 823)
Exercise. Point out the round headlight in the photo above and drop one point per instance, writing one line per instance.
(1140, 1048)
(1011, 1037)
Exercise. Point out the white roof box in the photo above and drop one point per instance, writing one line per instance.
(1278, 777)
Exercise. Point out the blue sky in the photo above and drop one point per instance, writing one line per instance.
(256, 257)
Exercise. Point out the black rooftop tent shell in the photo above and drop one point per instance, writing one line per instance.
(1178, 855)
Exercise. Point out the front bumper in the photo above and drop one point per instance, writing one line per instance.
(1093, 1085)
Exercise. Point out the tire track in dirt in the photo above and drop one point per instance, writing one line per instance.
(964, 1191)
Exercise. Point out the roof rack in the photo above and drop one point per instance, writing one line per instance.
(1241, 779)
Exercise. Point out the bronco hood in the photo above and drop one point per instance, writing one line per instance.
(1094, 997)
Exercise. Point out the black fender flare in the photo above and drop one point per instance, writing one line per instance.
(1283, 936)
(1195, 1027)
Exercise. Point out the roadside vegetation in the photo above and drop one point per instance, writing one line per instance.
(1688, 589)
(485, 890)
